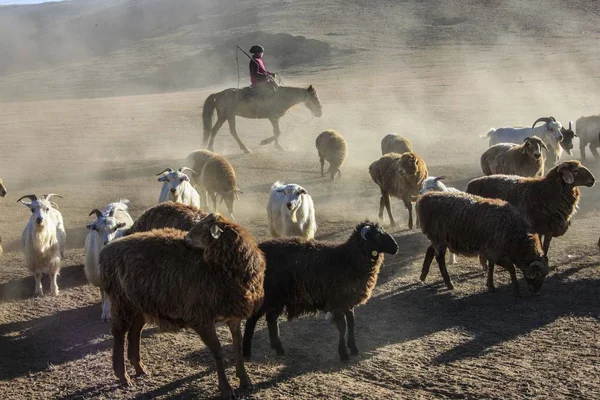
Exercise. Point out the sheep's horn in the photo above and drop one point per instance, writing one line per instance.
(189, 169)
(31, 197)
(165, 170)
(544, 119)
(97, 212)
(364, 231)
(570, 123)
(50, 195)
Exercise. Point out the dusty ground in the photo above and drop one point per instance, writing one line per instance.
(441, 76)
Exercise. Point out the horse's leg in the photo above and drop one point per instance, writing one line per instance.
(213, 132)
(276, 133)
(233, 131)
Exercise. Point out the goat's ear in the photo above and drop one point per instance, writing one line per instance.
(526, 139)
(439, 178)
(216, 231)
(121, 225)
(89, 226)
(162, 178)
(302, 191)
(186, 178)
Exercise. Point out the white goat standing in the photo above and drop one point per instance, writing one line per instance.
(43, 240)
(435, 184)
(110, 224)
(177, 187)
(291, 211)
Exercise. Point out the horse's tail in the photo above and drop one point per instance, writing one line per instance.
(207, 113)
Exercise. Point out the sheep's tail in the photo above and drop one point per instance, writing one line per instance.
(207, 113)
(488, 134)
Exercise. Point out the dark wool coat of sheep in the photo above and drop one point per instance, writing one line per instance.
(491, 228)
(548, 202)
(168, 215)
(332, 147)
(394, 143)
(176, 279)
(305, 277)
(401, 176)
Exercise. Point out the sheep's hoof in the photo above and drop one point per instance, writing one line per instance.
(247, 387)
(141, 370)
(344, 358)
(353, 351)
(38, 293)
(126, 381)
(450, 286)
(422, 278)
(491, 289)
(231, 395)
(280, 352)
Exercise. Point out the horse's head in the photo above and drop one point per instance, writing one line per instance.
(312, 102)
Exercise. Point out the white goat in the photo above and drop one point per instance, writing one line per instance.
(550, 133)
(177, 187)
(435, 184)
(291, 211)
(110, 224)
(43, 240)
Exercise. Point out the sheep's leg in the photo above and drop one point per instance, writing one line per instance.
(118, 358)
(409, 207)
(351, 339)
(340, 322)
(483, 263)
(213, 132)
(240, 369)
(322, 161)
(513, 279)
(134, 338)
(53, 270)
(381, 205)
(440, 257)
(490, 277)
(208, 334)
(276, 133)
(274, 338)
(38, 284)
(427, 262)
(249, 333)
(388, 206)
(233, 131)
(546, 246)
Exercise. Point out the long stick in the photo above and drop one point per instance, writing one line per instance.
(247, 55)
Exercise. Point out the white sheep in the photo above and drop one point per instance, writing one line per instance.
(291, 211)
(177, 187)
(110, 224)
(43, 240)
(435, 184)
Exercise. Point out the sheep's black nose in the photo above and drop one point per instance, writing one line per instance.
(537, 156)
(173, 190)
(289, 205)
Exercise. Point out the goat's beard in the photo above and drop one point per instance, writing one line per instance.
(294, 218)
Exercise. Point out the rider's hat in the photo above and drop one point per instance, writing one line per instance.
(257, 48)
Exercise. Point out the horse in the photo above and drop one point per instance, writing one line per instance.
(244, 103)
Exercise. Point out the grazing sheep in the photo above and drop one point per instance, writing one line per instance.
(332, 147)
(43, 240)
(217, 178)
(587, 130)
(394, 143)
(291, 211)
(167, 215)
(177, 279)
(110, 224)
(177, 187)
(3, 193)
(305, 277)
(401, 176)
(515, 159)
(550, 133)
(491, 228)
(548, 202)
(435, 184)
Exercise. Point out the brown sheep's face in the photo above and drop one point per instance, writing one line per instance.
(533, 146)
(204, 232)
(408, 164)
(575, 174)
(535, 274)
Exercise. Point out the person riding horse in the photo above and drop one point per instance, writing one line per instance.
(262, 81)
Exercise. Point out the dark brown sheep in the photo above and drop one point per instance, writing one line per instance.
(491, 228)
(167, 215)
(305, 277)
(176, 279)
(394, 143)
(332, 146)
(548, 202)
(401, 176)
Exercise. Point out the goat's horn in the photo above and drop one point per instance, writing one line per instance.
(439, 178)
(165, 170)
(189, 169)
(49, 195)
(544, 119)
(97, 212)
(31, 197)
(552, 118)
(570, 123)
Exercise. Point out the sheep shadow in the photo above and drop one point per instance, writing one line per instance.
(68, 335)
(20, 289)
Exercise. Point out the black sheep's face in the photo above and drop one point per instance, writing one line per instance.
(210, 228)
(377, 239)
(535, 274)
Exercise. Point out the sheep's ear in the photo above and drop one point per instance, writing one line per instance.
(544, 146)
(364, 231)
(215, 231)
(568, 176)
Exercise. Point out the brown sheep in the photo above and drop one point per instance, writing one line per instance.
(332, 147)
(218, 179)
(548, 202)
(167, 215)
(195, 161)
(491, 228)
(515, 159)
(177, 279)
(401, 176)
(305, 277)
(394, 143)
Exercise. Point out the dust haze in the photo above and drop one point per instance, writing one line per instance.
(96, 97)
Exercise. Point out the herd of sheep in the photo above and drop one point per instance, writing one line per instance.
(179, 266)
